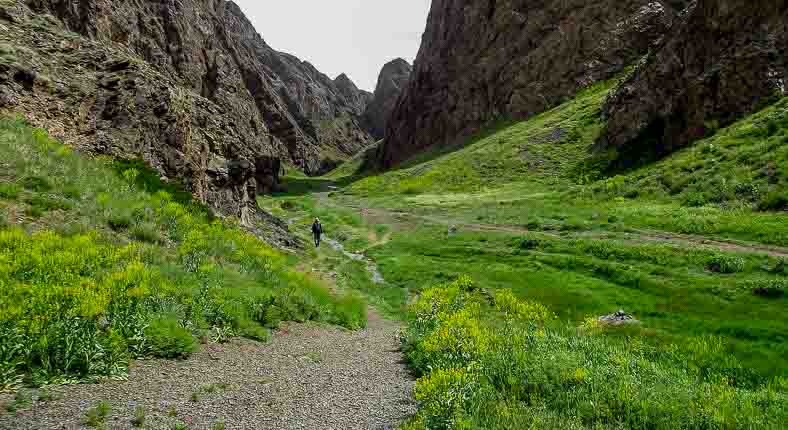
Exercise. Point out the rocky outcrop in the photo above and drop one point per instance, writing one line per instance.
(392, 80)
(358, 99)
(189, 86)
(723, 59)
(485, 59)
(617, 319)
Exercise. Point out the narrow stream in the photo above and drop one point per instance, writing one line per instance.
(372, 268)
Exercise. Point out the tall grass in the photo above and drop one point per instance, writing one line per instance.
(493, 361)
(125, 270)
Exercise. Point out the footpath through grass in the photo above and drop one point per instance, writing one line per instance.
(100, 263)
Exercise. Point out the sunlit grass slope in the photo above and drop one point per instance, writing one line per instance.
(100, 262)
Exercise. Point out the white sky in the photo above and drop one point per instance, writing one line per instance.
(356, 37)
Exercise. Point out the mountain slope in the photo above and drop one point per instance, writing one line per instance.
(189, 87)
(391, 82)
(723, 60)
(485, 60)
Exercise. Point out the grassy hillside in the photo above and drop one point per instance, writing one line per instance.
(100, 262)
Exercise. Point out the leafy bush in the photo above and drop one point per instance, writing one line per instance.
(139, 417)
(769, 288)
(147, 232)
(511, 365)
(773, 201)
(168, 339)
(96, 416)
(36, 183)
(9, 191)
(723, 263)
(780, 267)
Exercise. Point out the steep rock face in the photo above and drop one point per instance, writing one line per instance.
(356, 98)
(188, 86)
(485, 59)
(392, 80)
(724, 58)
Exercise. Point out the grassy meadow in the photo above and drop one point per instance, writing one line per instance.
(101, 263)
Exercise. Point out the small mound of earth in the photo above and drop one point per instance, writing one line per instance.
(617, 319)
(308, 377)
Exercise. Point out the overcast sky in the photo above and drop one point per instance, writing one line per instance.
(352, 36)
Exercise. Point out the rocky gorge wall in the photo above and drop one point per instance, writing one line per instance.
(392, 81)
(724, 59)
(188, 86)
(482, 60)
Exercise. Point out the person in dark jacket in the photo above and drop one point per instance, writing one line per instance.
(317, 231)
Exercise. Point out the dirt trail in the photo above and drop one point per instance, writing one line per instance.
(407, 219)
(307, 377)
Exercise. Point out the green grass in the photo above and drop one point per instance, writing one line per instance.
(501, 363)
(668, 287)
(101, 263)
(345, 225)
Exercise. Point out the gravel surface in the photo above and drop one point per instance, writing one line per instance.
(308, 377)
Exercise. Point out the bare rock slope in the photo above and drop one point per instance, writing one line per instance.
(189, 86)
(481, 60)
(392, 80)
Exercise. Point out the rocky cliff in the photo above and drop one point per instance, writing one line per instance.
(723, 59)
(189, 86)
(481, 60)
(392, 80)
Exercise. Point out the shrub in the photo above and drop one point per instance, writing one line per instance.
(769, 288)
(36, 183)
(780, 267)
(168, 339)
(38, 205)
(722, 263)
(529, 244)
(773, 201)
(694, 199)
(147, 232)
(120, 221)
(139, 417)
(9, 191)
(96, 416)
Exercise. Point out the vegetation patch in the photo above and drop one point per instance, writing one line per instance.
(135, 271)
(506, 363)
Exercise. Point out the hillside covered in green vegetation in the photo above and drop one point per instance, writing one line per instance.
(100, 262)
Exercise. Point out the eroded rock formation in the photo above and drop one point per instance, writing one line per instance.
(189, 86)
(481, 60)
(723, 59)
(392, 80)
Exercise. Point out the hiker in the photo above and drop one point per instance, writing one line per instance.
(317, 230)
